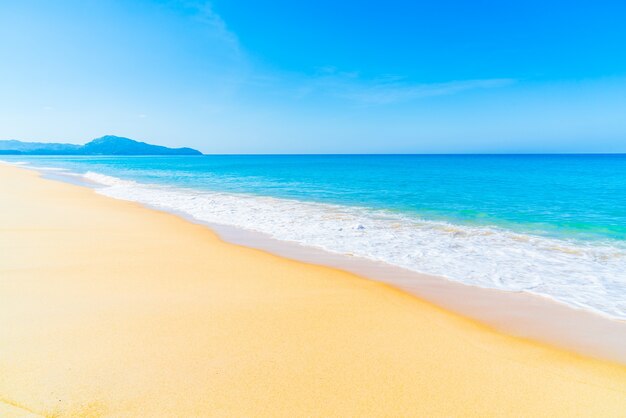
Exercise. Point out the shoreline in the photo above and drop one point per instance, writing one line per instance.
(520, 314)
(140, 312)
(547, 258)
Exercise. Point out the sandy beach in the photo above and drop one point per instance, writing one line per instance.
(111, 309)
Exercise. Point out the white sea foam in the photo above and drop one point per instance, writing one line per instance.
(34, 167)
(108, 180)
(30, 166)
(584, 275)
(18, 163)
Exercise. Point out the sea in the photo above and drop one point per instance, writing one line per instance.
(551, 225)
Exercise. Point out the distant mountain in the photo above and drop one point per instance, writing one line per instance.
(115, 145)
(19, 147)
(107, 145)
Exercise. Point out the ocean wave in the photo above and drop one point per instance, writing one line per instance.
(107, 180)
(18, 163)
(30, 166)
(589, 275)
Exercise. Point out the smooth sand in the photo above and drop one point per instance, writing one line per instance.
(111, 309)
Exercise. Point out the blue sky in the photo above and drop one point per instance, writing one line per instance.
(318, 77)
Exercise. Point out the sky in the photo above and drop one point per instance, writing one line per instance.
(229, 76)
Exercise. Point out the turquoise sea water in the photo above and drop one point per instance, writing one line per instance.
(579, 195)
(549, 224)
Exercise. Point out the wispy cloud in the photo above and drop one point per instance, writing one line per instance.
(329, 81)
(205, 13)
(388, 93)
(391, 89)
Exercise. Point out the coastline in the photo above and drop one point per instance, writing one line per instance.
(141, 312)
(522, 314)
(562, 251)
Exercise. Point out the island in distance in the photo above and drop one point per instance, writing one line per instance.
(106, 145)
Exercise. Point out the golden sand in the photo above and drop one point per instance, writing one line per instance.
(111, 309)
